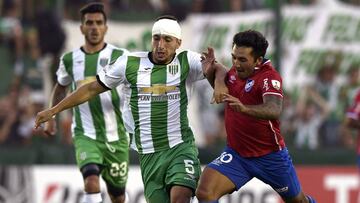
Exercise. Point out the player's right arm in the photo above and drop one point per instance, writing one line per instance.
(58, 94)
(81, 95)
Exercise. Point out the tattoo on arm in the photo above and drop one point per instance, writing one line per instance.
(270, 109)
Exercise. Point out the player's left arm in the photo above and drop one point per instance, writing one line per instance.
(270, 109)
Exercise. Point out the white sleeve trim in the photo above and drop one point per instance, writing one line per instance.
(273, 93)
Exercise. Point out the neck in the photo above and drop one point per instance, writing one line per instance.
(89, 48)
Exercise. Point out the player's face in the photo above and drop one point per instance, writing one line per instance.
(244, 61)
(164, 48)
(94, 28)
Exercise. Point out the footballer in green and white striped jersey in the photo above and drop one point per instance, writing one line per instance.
(105, 117)
(159, 96)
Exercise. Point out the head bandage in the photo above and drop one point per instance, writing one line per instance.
(167, 27)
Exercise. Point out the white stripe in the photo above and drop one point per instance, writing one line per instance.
(106, 103)
(85, 113)
(272, 129)
(144, 80)
(273, 93)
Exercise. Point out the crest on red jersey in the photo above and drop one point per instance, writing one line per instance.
(249, 84)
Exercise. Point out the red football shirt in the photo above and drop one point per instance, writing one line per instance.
(354, 113)
(250, 136)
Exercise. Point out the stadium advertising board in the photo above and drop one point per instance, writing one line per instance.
(63, 184)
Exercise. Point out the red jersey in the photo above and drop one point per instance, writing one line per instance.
(354, 113)
(250, 136)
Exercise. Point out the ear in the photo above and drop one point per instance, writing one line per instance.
(106, 28)
(179, 43)
(82, 29)
(259, 60)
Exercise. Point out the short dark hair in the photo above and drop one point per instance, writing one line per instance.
(254, 39)
(92, 8)
(170, 17)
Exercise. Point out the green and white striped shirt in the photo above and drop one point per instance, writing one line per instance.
(105, 117)
(159, 97)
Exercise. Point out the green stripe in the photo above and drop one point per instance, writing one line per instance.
(184, 122)
(116, 53)
(91, 62)
(132, 67)
(159, 110)
(115, 99)
(68, 63)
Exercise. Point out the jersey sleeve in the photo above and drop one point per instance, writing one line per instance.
(113, 74)
(195, 72)
(271, 84)
(354, 110)
(63, 77)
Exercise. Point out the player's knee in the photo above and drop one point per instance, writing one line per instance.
(92, 184)
(117, 194)
(90, 174)
(204, 194)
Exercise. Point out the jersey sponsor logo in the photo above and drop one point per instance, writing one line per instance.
(103, 62)
(276, 84)
(158, 89)
(249, 84)
(158, 93)
(87, 80)
(173, 69)
(266, 84)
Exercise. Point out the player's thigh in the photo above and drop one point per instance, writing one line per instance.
(184, 167)
(153, 170)
(214, 184)
(278, 171)
(87, 151)
(232, 166)
(116, 164)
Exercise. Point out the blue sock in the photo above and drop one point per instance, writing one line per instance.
(311, 200)
(212, 201)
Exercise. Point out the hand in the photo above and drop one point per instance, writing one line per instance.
(234, 103)
(43, 116)
(50, 128)
(208, 60)
(219, 91)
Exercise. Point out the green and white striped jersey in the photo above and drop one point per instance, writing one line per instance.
(105, 117)
(158, 95)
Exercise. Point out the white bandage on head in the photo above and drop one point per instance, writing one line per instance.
(167, 27)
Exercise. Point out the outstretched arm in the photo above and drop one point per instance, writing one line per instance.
(215, 73)
(81, 95)
(270, 109)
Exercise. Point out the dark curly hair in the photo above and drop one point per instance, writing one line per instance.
(254, 39)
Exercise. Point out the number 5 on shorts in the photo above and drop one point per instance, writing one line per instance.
(189, 168)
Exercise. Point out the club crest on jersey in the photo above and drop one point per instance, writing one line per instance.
(173, 69)
(104, 62)
(276, 84)
(249, 84)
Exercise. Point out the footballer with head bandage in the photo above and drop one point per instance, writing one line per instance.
(159, 85)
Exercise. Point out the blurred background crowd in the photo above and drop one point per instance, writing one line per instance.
(32, 39)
